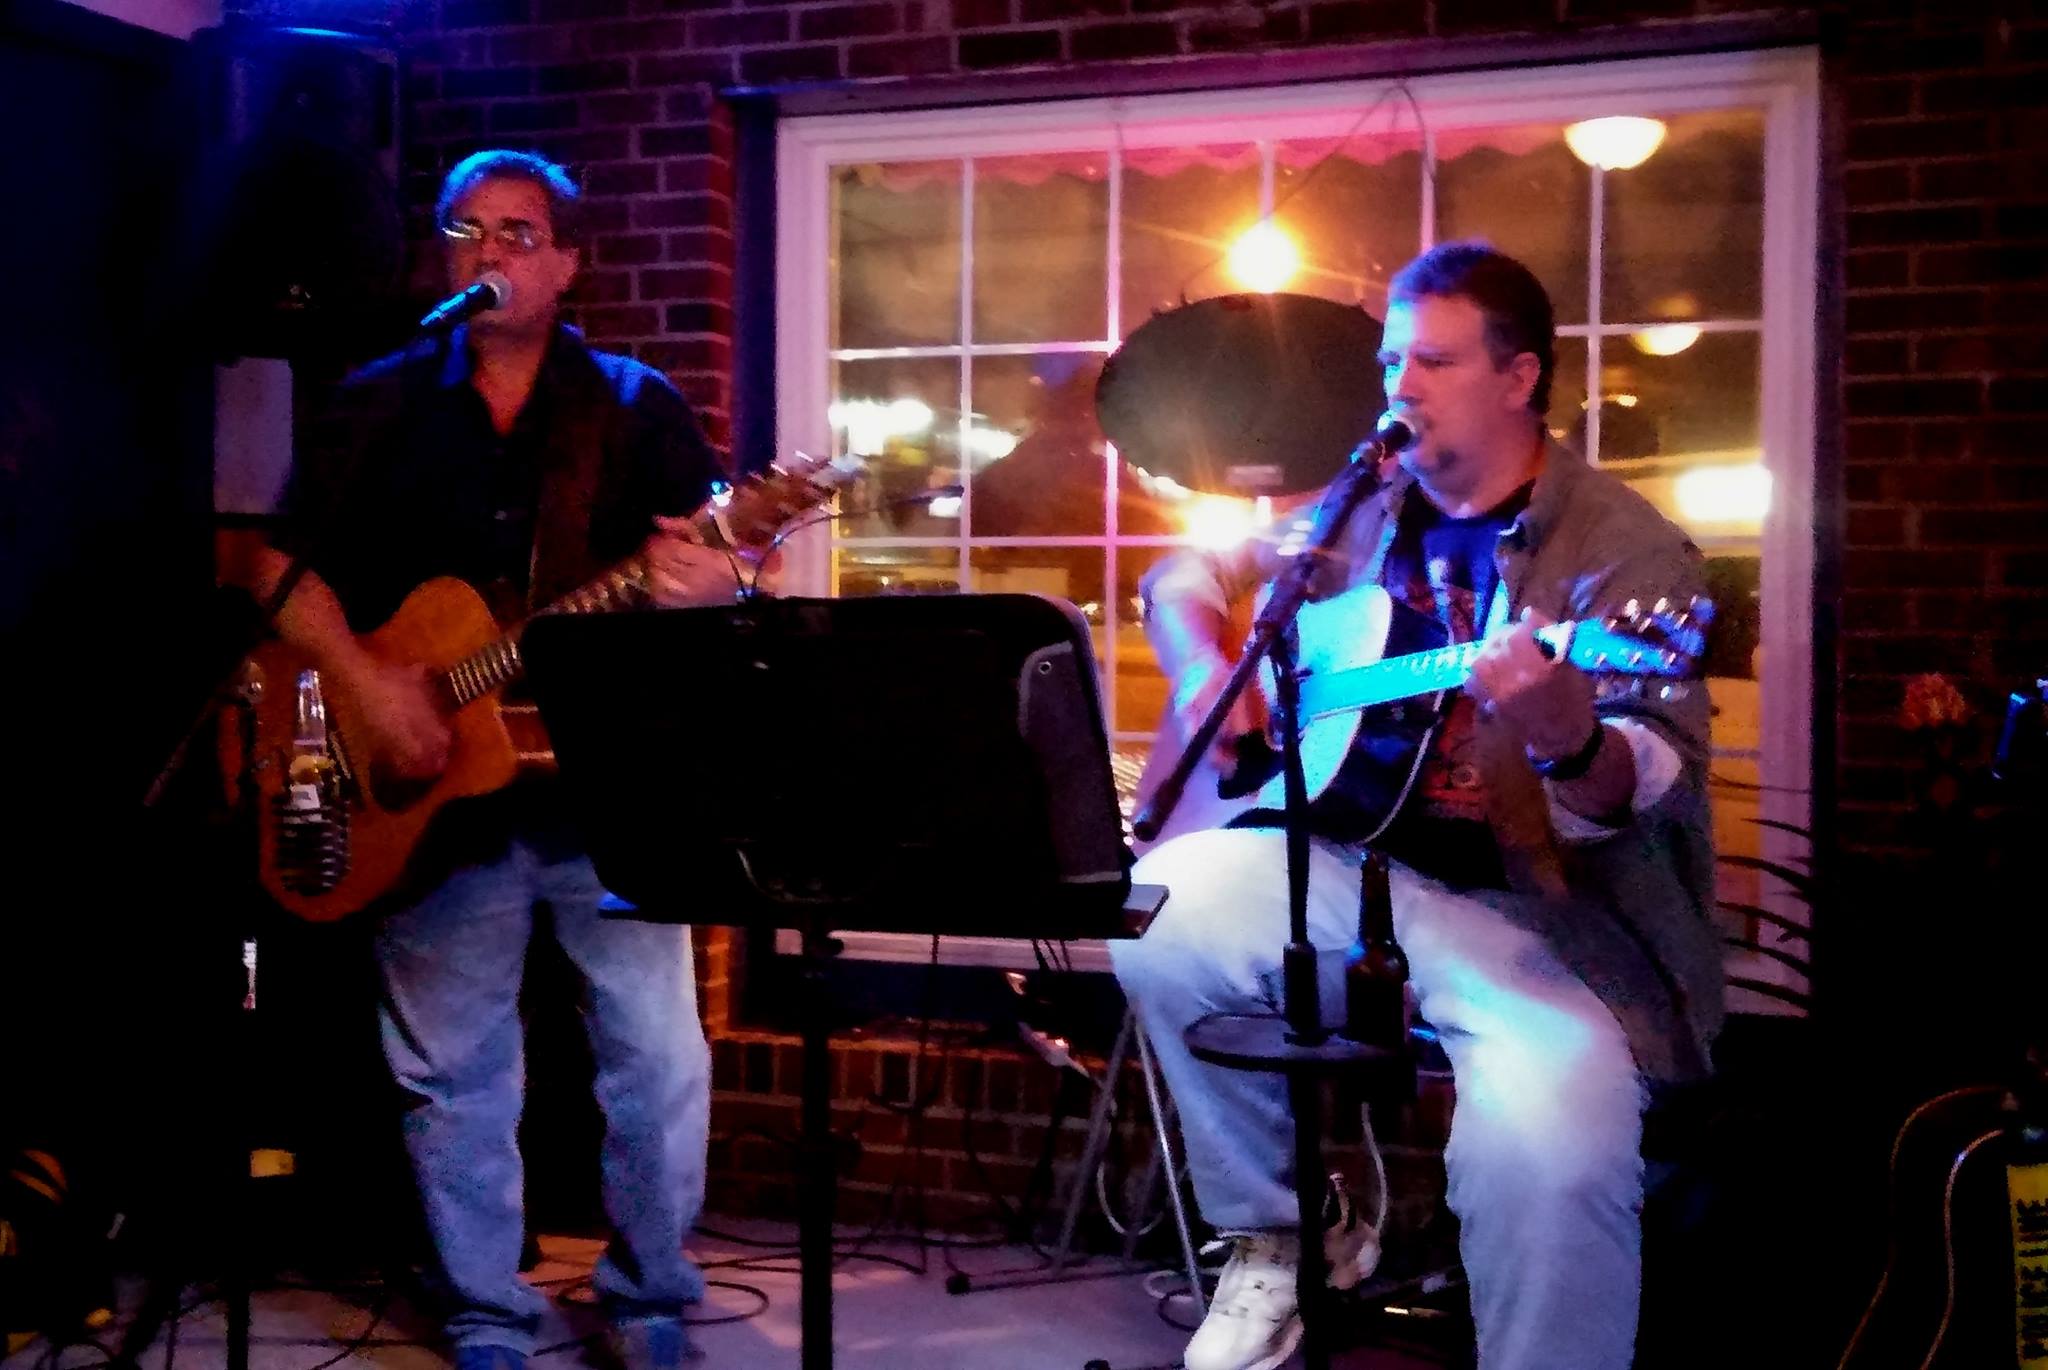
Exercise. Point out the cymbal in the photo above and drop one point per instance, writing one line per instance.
(1245, 394)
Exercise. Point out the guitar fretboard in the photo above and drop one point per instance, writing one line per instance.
(1403, 677)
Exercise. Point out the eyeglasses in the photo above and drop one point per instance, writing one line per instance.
(514, 235)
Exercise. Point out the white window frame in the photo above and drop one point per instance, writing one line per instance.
(1783, 83)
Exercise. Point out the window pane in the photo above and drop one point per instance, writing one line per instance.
(1050, 483)
(1685, 431)
(1566, 417)
(903, 416)
(1182, 208)
(1684, 231)
(1354, 209)
(1522, 190)
(1074, 574)
(1140, 684)
(1041, 248)
(896, 243)
(1697, 404)
(897, 570)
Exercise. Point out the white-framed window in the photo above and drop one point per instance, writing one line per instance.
(950, 281)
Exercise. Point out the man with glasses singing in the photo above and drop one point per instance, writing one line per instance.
(511, 455)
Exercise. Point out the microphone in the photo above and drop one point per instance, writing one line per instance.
(1391, 433)
(491, 291)
(311, 813)
(939, 492)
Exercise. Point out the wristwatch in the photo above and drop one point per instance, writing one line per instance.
(1573, 765)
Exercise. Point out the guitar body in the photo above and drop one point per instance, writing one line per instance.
(1375, 679)
(1372, 750)
(445, 627)
(441, 623)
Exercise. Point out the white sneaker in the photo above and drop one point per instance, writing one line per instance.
(1253, 1321)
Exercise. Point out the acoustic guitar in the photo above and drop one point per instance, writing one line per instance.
(1375, 677)
(332, 835)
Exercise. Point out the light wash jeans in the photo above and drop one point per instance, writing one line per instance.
(1545, 1170)
(451, 967)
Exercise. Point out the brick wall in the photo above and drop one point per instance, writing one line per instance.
(1934, 476)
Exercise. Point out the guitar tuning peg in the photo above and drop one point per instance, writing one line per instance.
(1661, 606)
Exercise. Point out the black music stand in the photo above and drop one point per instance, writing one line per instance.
(928, 764)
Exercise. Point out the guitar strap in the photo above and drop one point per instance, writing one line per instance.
(578, 443)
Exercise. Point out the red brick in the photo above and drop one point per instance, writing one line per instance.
(685, 355)
(1922, 483)
(636, 36)
(2024, 570)
(1906, 312)
(621, 178)
(1980, 265)
(1876, 356)
(978, 14)
(1897, 139)
(2019, 395)
(633, 109)
(1020, 48)
(673, 211)
(900, 57)
(737, 27)
(687, 174)
(788, 66)
(709, 244)
(1875, 52)
(620, 321)
(848, 21)
(490, 82)
(685, 283)
(533, 116)
(1874, 270)
(699, 317)
(605, 287)
(1884, 227)
(1876, 527)
(1341, 20)
(1870, 443)
(1045, 11)
(1912, 569)
(1974, 178)
(471, 14)
(1118, 42)
(679, 140)
(1877, 185)
(1220, 31)
(685, 68)
(1984, 527)
(1623, 11)
(1471, 16)
(629, 249)
(613, 74)
(1960, 353)
(1893, 398)
(1882, 99)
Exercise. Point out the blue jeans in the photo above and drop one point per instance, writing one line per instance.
(1544, 1157)
(451, 967)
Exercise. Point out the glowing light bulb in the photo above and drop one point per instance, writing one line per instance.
(1264, 258)
(1615, 143)
(1665, 339)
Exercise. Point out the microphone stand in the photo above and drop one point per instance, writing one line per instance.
(1295, 1045)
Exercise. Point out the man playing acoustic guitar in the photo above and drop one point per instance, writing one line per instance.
(513, 457)
(1551, 867)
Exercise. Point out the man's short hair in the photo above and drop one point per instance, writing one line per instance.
(565, 198)
(1517, 309)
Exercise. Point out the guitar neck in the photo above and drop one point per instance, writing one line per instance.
(497, 663)
(1403, 677)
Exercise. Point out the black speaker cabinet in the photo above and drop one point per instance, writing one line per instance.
(296, 201)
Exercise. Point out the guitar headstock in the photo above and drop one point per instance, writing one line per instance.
(1660, 639)
(751, 510)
